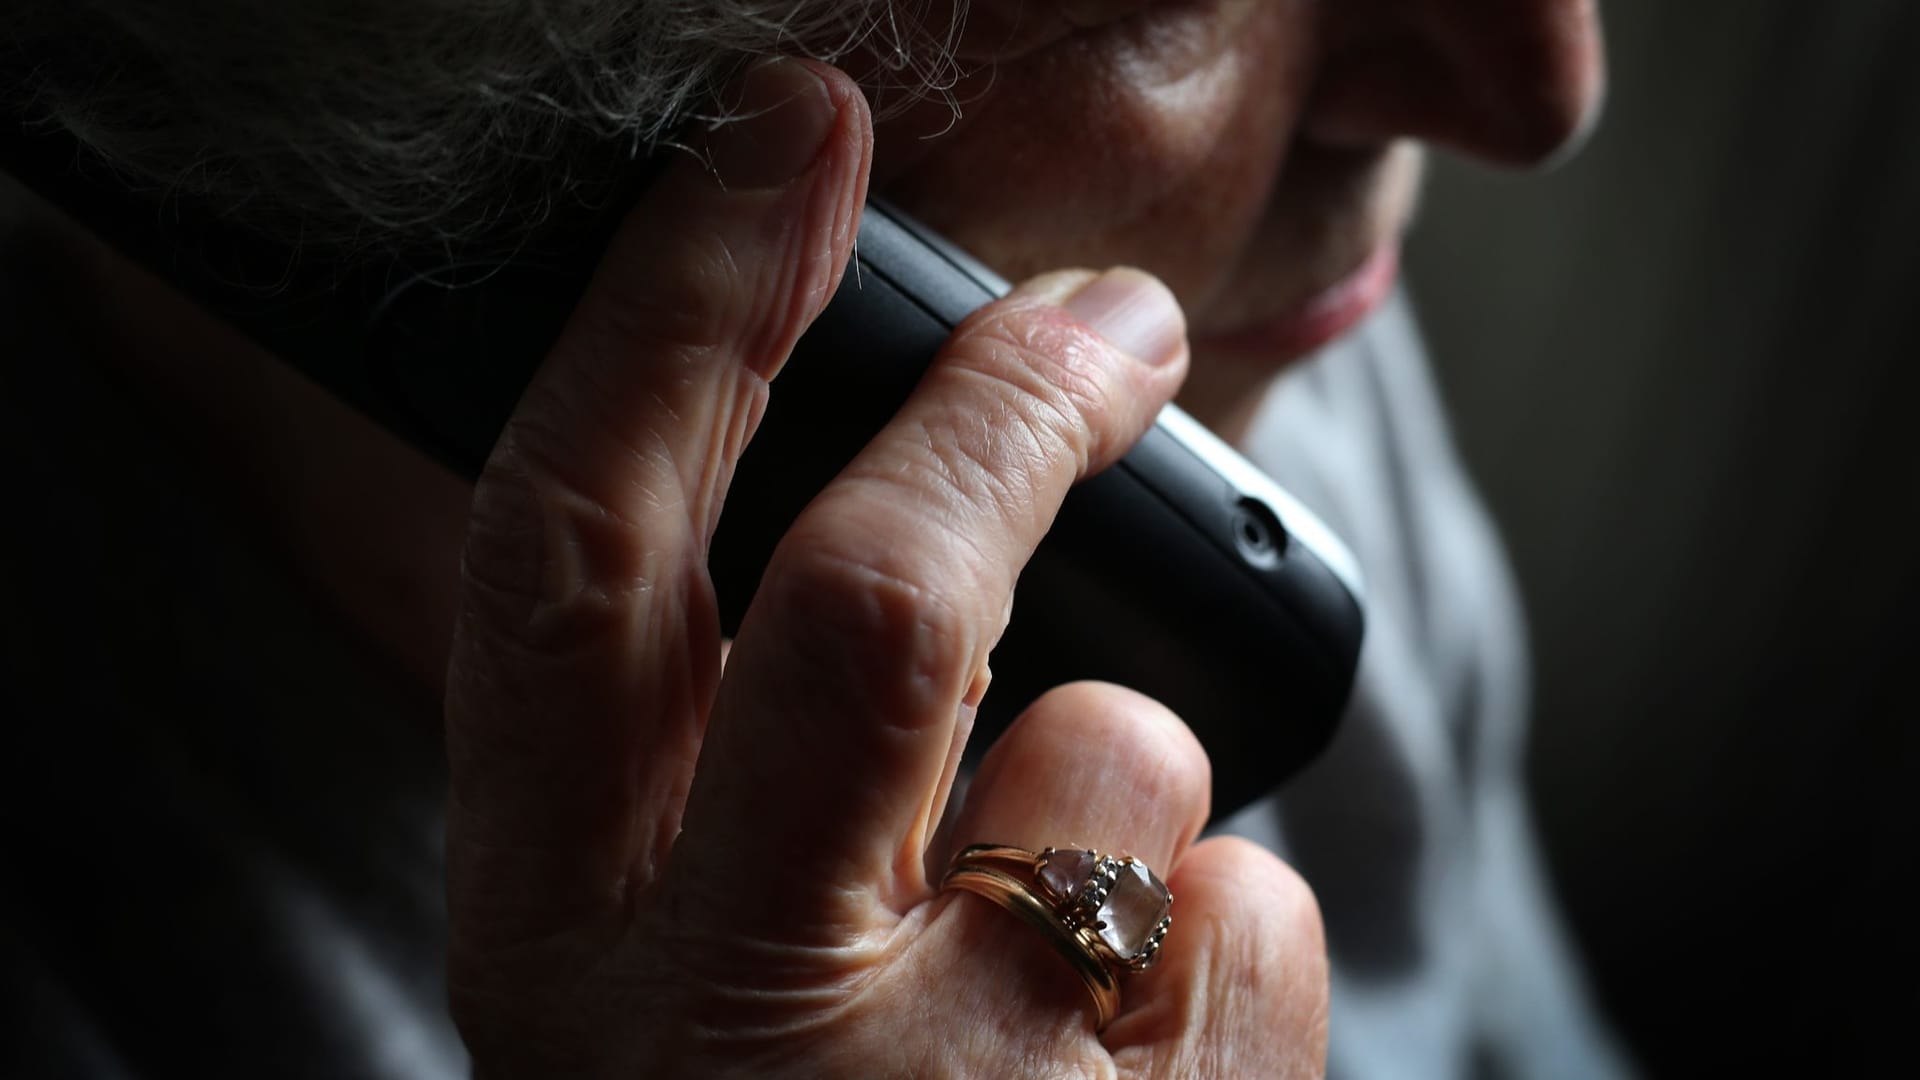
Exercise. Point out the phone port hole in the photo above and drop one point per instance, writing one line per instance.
(1258, 534)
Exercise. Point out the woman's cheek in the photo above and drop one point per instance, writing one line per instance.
(1072, 158)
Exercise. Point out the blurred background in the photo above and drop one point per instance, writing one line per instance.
(1683, 369)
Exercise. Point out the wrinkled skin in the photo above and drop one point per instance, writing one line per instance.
(1250, 153)
(658, 870)
(660, 867)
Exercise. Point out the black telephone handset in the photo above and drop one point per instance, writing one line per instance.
(1182, 571)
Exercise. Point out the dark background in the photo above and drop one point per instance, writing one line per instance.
(1683, 369)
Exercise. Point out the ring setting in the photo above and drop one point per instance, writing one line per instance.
(1118, 898)
(1108, 915)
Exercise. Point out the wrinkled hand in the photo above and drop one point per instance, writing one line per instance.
(656, 870)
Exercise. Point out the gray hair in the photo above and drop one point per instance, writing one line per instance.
(419, 124)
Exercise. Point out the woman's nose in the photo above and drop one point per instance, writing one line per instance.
(1512, 82)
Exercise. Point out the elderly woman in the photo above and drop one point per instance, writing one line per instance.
(664, 858)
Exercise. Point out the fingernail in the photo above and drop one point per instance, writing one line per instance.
(783, 116)
(1135, 312)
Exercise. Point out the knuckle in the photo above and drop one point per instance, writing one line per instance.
(552, 567)
(502, 526)
(879, 630)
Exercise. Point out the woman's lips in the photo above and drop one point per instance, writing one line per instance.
(1322, 318)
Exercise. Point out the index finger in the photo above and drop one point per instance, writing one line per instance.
(588, 645)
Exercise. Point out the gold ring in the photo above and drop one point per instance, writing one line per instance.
(1107, 915)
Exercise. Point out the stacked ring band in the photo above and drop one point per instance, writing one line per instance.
(1107, 915)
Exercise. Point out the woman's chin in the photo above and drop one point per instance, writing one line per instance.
(1318, 320)
(1327, 257)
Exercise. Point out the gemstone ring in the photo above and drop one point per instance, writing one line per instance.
(1106, 914)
